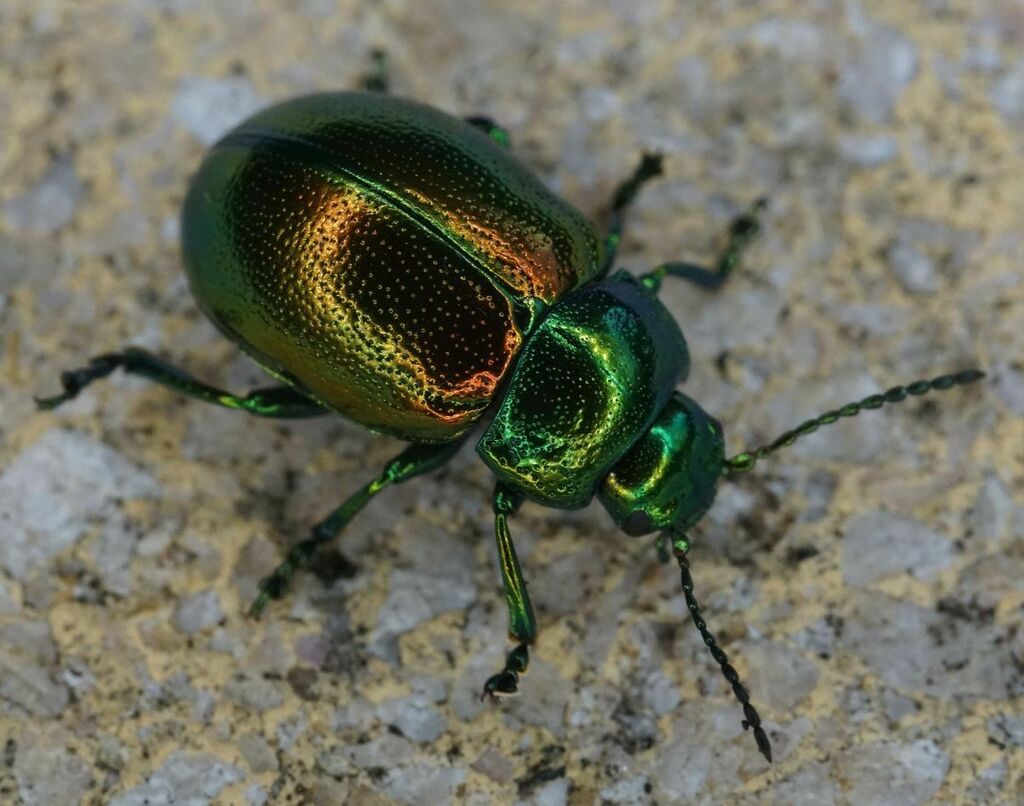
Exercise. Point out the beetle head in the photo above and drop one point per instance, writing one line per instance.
(668, 478)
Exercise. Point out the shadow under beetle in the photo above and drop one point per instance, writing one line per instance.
(391, 263)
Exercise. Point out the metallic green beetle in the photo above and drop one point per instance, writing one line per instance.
(399, 266)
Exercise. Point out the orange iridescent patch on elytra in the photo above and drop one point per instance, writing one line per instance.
(522, 260)
(383, 256)
(529, 268)
(374, 313)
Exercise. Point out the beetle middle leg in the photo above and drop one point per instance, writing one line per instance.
(742, 232)
(522, 624)
(272, 401)
(415, 460)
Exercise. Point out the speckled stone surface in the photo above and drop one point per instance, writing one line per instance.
(869, 584)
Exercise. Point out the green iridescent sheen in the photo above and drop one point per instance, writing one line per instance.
(590, 380)
(669, 477)
(522, 625)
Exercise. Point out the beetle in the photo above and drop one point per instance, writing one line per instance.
(398, 266)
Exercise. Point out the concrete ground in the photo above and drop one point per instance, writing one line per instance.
(868, 583)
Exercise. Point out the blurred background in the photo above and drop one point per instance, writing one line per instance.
(868, 583)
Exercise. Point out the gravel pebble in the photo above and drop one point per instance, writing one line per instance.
(208, 107)
(198, 612)
(1006, 729)
(257, 753)
(873, 84)
(915, 271)
(879, 544)
(52, 491)
(891, 774)
(992, 514)
(1009, 385)
(423, 783)
(628, 791)
(781, 676)
(868, 151)
(415, 717)
(986, 786)
(50, 204)
(913, 648)
(707, 749)
(46, 770)
(253, 693)
(185, 779)
(810, 785)
(414, 598)
(1008, 93)
(29, 676)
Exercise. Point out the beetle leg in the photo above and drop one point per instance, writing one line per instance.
(497, 133)
(522, 624)
(378, 78)
(413, 461)
(743, 230)
(274, 401)
(649, 167)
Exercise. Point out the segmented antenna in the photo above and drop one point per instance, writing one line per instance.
(751, 719)
(742, 462)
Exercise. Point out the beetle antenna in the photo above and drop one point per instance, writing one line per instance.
(751, 719)
(742, 462)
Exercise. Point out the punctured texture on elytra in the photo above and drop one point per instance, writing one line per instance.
(383, 256)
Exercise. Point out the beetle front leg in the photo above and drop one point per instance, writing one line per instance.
(497, 133)
(649, 167)
(742, 232)
(378, 79)
(281, 402)
(413, 461)
(522, 624)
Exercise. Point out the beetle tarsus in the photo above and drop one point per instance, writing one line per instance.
(259, 604)
(503, 684)
(742, 232)
(650, 166)
(272, 587)
(75, 380)
(506, 682)
(276, 584)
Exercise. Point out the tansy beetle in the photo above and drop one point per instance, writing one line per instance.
(390, 263)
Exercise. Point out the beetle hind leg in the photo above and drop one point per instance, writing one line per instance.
(522, 624)
(413, 461)
(274, 401)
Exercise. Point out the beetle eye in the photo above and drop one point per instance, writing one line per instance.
(637, 524)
